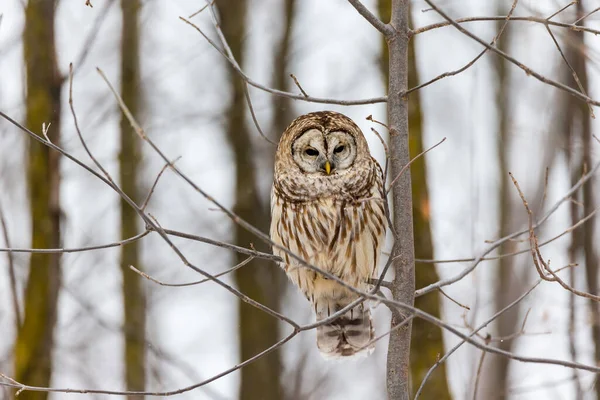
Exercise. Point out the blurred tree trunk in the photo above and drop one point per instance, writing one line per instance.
(33, 349)
(581, 121)
(508, 281)
(429, 344)
(282, 106)
(576, 244)
(134, 298)
(258, 279)
(512, 272)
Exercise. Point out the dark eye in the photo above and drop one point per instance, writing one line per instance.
(311, 152)
(339, 149)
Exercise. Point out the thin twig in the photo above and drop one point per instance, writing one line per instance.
(11, 272)
(282, 93)
(202, 9)
(150, 278)
(370, 118)
(454, 301)
(151, 191)
(478, 374)
(538, 20)
(506, 56)
(473, 333)
(595, 10)
(499, 242)
(298, 84)
(410, 162)
(573, 73)
(541, 265)
(45, 129)
(561, 10)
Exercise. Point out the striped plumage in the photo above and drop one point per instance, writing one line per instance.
(326, 207)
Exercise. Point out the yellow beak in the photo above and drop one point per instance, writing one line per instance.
(327, 167)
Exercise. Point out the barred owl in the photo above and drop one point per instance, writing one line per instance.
(327, 208)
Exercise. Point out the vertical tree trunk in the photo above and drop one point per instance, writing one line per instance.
(509, 277)
(427, 350)
(283, 105)
(258, 279)
(568, 105)
(403, 285)
(33, 349)
(134, 298)
(582, 116)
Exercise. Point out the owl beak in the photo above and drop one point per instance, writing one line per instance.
(327, 167)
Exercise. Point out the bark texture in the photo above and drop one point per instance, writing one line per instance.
(34, 343)
(403, 285)
(427, 345)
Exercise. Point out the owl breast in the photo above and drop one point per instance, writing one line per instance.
(340, 233)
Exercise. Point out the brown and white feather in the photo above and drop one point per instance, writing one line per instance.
(335, 222)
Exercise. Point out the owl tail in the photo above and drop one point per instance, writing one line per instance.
(349, 334)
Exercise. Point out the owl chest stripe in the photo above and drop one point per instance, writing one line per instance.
(307, 227)
(341, 220)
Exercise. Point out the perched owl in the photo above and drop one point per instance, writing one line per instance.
(327, 207)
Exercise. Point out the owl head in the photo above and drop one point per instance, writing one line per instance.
(322, 143)
(323, 154)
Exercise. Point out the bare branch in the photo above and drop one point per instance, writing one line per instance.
(595, 10)
(542, 266)
(561, 10)
(282, 93)
(573, 73)
(494, 245)
(77, 249)
(538, 20)
(454, 301)
(473, 61)
(475, 331)
(151, 191)
(150, 278)
(410, 162)
(526, 69)
(202, 9)
(478, 374)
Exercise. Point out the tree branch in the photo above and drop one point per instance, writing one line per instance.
(403, 251)
(526, 69)
(382, 27)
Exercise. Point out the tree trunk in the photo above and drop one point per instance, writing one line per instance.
(509, 276)
(427, 350)
(581, 119)
(258, 279)
(283, 105)
(403, 285)
(33, 349)
(134, 298)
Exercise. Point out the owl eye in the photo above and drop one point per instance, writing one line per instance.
(339, 149)
(311, 152)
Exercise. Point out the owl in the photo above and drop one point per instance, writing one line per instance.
(327, 208)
